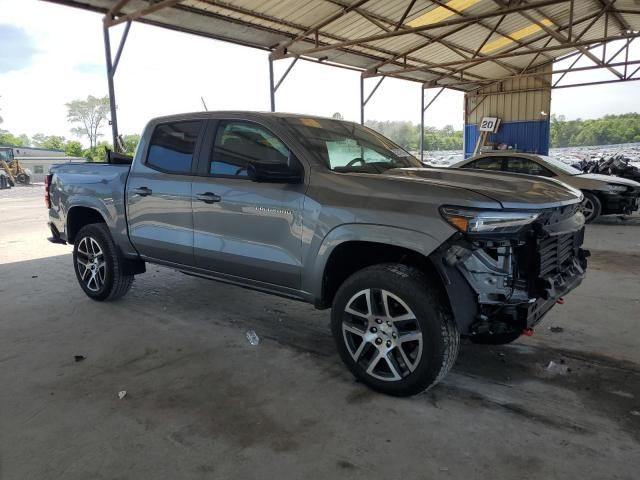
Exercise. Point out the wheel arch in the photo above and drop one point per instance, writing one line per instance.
(78, 216)
(349, 248)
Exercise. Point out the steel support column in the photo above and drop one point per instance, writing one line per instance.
(112, 91)
(423, 110)
(112, 65)
(361, 100)
(422, 123)
(364, 101)
(272, 92)
(273, 87)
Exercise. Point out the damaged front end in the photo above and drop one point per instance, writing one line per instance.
(507, 269)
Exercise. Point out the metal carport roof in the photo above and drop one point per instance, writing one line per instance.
(461, 44)
(457, 44)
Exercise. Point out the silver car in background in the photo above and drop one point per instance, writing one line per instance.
(603, 194)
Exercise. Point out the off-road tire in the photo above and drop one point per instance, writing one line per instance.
(116, 284)
(440, 337)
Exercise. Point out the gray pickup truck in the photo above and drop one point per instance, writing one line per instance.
(331, 213)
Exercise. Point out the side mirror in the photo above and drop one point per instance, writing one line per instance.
(275, 172)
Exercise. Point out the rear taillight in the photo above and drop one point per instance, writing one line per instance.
(47, 183)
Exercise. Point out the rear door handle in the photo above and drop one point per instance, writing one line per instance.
(142, 191)
(208, 197)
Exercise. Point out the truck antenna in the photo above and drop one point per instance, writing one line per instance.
(204, 104)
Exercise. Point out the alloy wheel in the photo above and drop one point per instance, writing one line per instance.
(588, 208)
(91, 264)
(382, 334)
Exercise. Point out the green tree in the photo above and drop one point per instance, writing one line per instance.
(38, 139)
(50, 142)
(130, 143)
(407, 135)
(9, 140)
(97, 153)
(610, 129)
(89, 114)
(73, 148)
(53, 142)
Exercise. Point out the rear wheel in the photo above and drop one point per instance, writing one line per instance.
(393, 331)
(591, 207)
(98, 265)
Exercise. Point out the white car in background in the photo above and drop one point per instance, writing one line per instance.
(603, 194)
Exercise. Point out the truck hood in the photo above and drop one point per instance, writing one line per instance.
(510, 190)
(609, 179)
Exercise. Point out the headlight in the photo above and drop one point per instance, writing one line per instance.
(485, 221)
(611, 188)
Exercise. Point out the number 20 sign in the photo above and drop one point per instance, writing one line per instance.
(489, 124)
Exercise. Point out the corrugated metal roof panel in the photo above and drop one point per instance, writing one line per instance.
(268, 24)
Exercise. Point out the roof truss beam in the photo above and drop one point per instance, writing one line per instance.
(484, 24)
(432, 26)
(624, 25)
(280, 53)
(379, 21)
(110, 21)
(558, 36)
(549, 48)
(592, 17)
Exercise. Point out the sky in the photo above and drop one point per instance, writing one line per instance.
(51, 54)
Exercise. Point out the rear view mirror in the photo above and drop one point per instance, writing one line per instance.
(275, 172)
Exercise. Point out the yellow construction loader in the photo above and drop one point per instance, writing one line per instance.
(11, 167)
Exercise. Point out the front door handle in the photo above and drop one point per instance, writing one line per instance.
(142, 191)
(208, 197)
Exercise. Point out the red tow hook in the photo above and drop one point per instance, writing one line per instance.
(528, 332)
(560, 301)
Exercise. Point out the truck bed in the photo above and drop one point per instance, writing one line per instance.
(89, 186)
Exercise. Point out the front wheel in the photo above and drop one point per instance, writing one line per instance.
(98, 265)
(392, 329)
(591, 207)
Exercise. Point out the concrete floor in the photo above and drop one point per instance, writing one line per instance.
(203, 403)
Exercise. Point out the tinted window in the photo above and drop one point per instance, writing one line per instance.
(172, 146)
(238, 143)
(488, 163)
(524, 165)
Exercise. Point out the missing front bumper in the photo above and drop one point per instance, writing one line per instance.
(509, 285)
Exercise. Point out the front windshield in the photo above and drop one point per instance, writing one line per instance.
(567, 169)
(347, 147)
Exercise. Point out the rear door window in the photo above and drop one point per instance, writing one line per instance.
(172, 146)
